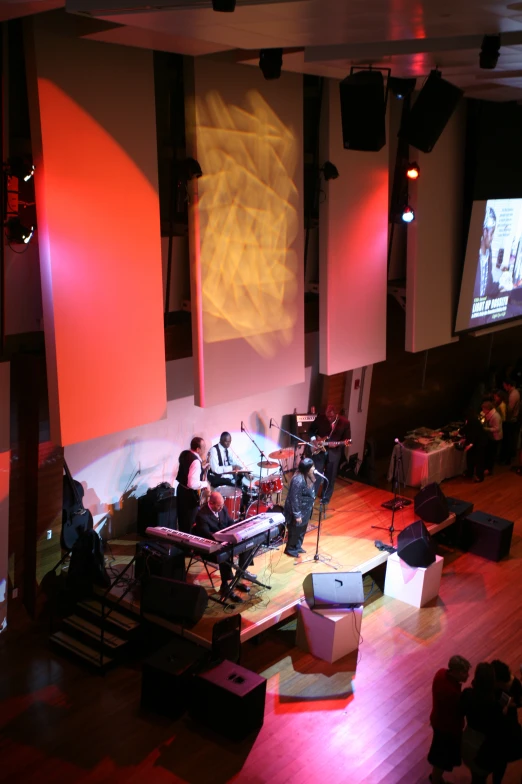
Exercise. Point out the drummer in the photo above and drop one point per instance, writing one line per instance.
(223, 470)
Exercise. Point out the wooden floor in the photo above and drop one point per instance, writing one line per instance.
(355, 721)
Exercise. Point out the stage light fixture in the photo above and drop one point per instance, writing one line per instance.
(401, 88)
(490, 51)
(330, 171)
(190, 168)
(407, 215)
(413, 171)
(271, 62)
(20, 168)
(225, 6)
(16, 233)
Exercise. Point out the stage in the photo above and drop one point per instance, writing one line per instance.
(347, 544)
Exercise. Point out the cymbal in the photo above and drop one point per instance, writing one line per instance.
(282, 454)
(267, 464)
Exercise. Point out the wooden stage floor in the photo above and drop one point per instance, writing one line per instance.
(347, 542)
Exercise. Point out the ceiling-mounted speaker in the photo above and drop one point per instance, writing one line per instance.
(430, 113)
(363, 111)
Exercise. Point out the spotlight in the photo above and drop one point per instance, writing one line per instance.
(20, 168)
(270, 62)
(401, 88)
(413, 171)
(489, 54)
(226, 6)
(17, 234)
(329, 171)
(407, 215)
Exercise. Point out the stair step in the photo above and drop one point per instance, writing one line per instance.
(78, 623)
(80, 649)
(123, 622)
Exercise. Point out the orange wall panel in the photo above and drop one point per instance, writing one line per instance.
(93, 125)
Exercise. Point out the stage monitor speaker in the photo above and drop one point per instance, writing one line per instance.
(343, 589)
(229, 699)
(173, 600)
(414, 545)
(363, 111)
(430, 113)
(431, 505)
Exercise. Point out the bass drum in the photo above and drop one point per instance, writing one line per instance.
(232, 498)
(253, 510)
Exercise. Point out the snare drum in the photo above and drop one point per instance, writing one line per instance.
(270, 484)
(232, 498)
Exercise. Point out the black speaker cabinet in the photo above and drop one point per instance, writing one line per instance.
(486, 535)
(431, 111)
(430, 504)
(229, 699)
(167, 677)
(342, 589)
(363, 111)
(160, 560)
(173, 600)
(414, 545)
(157, 507)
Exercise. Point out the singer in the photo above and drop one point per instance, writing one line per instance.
(299, 506)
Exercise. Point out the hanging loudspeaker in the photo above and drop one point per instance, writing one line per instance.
(363, 111)
(430, 113)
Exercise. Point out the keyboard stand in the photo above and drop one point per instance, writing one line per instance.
(241, 574)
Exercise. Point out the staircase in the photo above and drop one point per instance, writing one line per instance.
(82, 638)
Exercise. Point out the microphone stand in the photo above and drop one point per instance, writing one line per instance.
(296, 438)
(263, 459)
(326, 559)
(397, 502)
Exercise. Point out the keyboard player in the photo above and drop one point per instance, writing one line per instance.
(212, 517)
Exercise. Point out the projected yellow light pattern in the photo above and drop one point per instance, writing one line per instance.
(248, 222)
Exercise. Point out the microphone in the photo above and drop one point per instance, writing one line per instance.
(397, 441)
(242, 427)
(270, 425)
(318, 473)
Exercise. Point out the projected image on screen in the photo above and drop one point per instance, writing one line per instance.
(491, 288)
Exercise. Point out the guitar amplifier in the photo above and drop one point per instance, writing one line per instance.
(302, 424)
(157, 508)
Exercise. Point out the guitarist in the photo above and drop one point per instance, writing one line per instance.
(330, 426)
(192, 482)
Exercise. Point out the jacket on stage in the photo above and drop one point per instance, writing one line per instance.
(299, 501)
(207, 523)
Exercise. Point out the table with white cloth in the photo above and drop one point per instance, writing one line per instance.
(420, 467)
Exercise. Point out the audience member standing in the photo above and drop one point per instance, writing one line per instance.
(493, 427)
(476, 440)
(447, 719)
(509, 695)
(480, 742)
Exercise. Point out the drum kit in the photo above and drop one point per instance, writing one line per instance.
(260, 491)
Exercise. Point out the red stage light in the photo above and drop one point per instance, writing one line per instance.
(413, 171)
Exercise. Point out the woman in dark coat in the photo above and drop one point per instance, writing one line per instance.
(299, 505)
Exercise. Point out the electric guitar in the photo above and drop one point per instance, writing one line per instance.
(320, 446)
